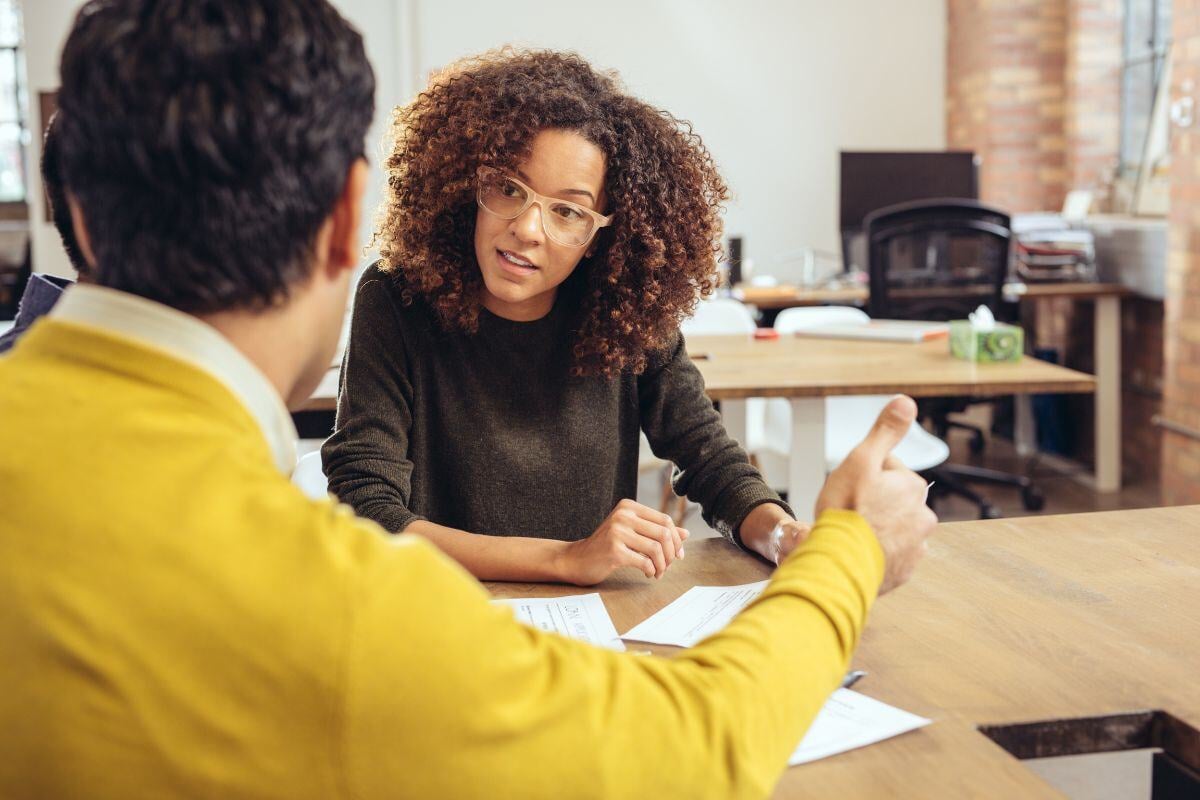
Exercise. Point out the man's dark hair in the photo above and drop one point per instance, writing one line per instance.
(56, 196)
(206, 141)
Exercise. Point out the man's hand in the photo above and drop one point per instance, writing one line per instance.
(887, 494)
(633, 535)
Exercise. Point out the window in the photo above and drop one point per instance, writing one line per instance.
(1143, 68)
(14, 100)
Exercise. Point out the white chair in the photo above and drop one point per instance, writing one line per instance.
(310, 477)
(847, 419)
(725, 316)
(716, 317)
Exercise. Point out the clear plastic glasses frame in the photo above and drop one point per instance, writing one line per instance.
(567, 223)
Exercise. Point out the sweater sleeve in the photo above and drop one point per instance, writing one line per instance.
(366, 459)
(448, 696)
(683, 427)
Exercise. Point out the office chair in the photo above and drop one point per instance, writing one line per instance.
(939, 260)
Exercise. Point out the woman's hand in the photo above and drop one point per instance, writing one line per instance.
(633, 535)
(771, 532)
(786, 537)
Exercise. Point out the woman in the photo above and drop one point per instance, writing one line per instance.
(543, 237)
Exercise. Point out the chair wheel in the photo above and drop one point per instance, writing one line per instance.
(989, 511)
(977, 443)
(1032, 499)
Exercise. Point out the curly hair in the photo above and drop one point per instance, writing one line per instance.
(647, 271)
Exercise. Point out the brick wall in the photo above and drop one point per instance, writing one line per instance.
(1093, 96)
(1181, 377)
(1006, 97)
(1033, 86)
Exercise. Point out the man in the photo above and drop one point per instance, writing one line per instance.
(186, 622)
(42, 291)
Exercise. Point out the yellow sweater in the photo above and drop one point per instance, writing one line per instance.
(177, 620)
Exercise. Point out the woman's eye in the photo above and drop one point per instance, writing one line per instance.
(568, 213)
(510, 189)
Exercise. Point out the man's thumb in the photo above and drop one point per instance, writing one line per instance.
(890, 427)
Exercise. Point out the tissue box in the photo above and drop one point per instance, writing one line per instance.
(1002, 343)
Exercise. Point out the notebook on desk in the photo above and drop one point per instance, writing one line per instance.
(882, 330)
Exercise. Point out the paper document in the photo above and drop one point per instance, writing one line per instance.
(581, 616)
(884, 330)
(850, 720)
(699, 612)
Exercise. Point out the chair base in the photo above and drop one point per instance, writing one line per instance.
(953, 478)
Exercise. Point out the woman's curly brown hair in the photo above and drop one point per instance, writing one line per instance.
(647, 270)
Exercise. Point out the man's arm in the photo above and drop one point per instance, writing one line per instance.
(448, 696)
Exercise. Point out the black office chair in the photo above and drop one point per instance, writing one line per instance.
(940, 260)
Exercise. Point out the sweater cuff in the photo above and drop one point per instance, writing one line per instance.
(395, 520)
(732, 508)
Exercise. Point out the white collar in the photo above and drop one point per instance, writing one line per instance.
(188, 339)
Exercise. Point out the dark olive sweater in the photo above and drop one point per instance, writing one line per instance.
(488, 433)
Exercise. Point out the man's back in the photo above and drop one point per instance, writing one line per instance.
(167, 629)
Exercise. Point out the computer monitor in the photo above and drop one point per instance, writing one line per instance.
(870, 181)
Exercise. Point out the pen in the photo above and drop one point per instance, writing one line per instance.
(853, 677)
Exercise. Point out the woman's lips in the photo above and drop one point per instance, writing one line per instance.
(513, 264)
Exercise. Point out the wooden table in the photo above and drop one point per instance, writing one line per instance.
(1006, 621)
(780, 297)
(1106, 344)
(807, 370)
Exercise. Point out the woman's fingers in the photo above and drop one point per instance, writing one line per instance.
(650, 533)
(632, 558)
(667, 537)
(650, 548)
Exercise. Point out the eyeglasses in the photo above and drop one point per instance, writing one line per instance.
(566, 223)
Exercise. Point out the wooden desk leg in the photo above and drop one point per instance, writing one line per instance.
(1025, 429)
(806, 457)
(1107, 345)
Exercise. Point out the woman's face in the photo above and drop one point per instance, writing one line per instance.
(522, 267)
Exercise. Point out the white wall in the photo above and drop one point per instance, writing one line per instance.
(47, 23)
(776, 88)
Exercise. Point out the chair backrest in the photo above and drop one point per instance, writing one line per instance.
(936, 259)
(310, 477)
(791, 320)
(717, 316)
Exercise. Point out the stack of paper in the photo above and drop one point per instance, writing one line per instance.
(581, 616)
(850, 720)
(884, 330)
(698, 613)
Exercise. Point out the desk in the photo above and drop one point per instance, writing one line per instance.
(1106, 344)
(806, 371)
(1006, 621)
